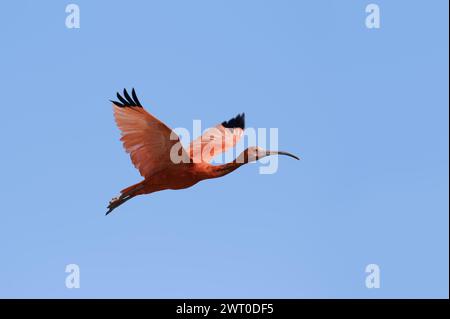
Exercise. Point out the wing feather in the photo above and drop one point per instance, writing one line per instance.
(217, 140)
(148, 140)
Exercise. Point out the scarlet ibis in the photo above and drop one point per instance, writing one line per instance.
(151, 145)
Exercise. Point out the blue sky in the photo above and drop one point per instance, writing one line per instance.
(367, 110)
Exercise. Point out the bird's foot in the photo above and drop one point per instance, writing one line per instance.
(113, 200)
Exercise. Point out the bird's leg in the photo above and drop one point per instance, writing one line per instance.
(114, 199)
(117, 201)
(131, 193)
(122, 198)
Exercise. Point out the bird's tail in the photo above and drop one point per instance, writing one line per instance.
(125, 194)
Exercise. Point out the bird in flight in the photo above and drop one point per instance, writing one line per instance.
(158, 155)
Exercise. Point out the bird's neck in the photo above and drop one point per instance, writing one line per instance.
(221, 170)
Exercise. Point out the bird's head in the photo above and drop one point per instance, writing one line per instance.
(255, 153)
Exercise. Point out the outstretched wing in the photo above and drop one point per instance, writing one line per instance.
(148, 140)
(217, 140)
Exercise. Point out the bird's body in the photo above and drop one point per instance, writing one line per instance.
(156, 151)
(181, 176)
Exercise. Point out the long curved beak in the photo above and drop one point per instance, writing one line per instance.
(282, 153)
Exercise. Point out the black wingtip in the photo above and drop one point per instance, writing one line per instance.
(237, 122)
(127, 100)
(135, 98)
(116, 103)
